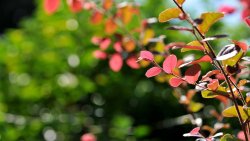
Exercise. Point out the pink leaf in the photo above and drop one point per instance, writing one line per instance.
(175, 82)
(247, 20)
(118, 47)
(194, 133)
(132, 62)
(104, 44)
(170, 63)
(242, 45)
(146, 55)
(50, 6)
(115, 62)
(192, 74)
(88, 137)
(100, 54)
(153, 72)
(241, 135)
(75, 5)
(96, 40)
(226, 9)
(210, 73)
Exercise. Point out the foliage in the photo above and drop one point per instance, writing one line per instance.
(53, 86)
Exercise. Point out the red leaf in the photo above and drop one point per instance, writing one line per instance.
(205, 58)
(100, 54)
(50, 6)
(104, 44)
(175, 82)
(153, 72)
(192, 74)
(210, 73)
(96, 17)
(146, 55)
(75, 5)
(213, 85)
(242, 45)
(132, 62)
(170, 63)
(118, 47)
(247, 20)
(226, 9)
(115, 62)
(223, 99)
(107, 4)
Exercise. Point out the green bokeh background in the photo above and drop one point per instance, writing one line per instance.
(51, 85)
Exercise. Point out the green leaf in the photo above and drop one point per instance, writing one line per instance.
(228, 137)
(231, 112)
(169, 14)
(195, 106)
(208, 19)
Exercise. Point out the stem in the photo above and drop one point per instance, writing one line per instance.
(219, 65)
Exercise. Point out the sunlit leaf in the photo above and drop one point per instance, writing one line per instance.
(228, 137)
(104, 44)
(147, 35)
(118, 46)
(226, 9)
(195, 106)
(242, 45)
(96, 17)
(213, 85)
(100, 54)
(208, 19)
(208, 94)
(115, 62)
(192, 73)
(231, 112)
(169, 14)
(146, 55)
(175, 82)
(51, 6)
(210, 73)
(128, 44)
(169, 63)
(205, 58)
(132, 62)
(153, 71)
(107, 4)
(180, 2)
(247, 20)
(110, 26)
(197, 46)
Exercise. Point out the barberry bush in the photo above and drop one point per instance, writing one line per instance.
(82, 64)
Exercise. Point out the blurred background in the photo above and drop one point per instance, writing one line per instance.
(53, 89)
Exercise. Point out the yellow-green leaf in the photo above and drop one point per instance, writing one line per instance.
(193, 43)
(234, 60)
(208, 19)
(180, 2)
(228, 137)
(212, 94)
(231, 112)
(169, 14)
(208, 94)
(195, 106)
(147, 35)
